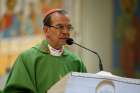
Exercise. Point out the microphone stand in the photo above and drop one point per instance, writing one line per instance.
(100, 63)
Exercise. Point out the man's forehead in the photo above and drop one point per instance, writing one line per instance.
(58, 17)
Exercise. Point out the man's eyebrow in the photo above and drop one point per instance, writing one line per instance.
(63, 24)
(69, 24)
(59, 24)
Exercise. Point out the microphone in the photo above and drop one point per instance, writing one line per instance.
(70, 41)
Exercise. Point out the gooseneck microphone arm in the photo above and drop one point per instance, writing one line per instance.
(70, 41)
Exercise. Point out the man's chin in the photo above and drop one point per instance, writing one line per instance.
(62, 43)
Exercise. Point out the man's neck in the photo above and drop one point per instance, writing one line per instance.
(54, 51)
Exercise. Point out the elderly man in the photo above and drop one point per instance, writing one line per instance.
(40, 67)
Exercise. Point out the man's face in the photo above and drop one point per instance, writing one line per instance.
(58, 32)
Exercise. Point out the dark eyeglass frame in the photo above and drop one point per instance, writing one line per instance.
(61, 27)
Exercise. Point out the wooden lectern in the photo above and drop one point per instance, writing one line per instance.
(102, 82)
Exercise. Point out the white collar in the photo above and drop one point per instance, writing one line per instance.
(55, 52)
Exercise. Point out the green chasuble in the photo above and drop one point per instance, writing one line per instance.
(35, 70)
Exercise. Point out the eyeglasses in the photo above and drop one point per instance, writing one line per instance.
(61, 27)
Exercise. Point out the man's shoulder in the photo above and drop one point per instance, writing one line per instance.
(31, 51)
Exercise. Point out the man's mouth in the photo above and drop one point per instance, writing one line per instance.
(65, 38)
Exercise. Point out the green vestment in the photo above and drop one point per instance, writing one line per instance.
(35, 70)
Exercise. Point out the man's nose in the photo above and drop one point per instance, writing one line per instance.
(65, 30)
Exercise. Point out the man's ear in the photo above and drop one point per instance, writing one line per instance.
(45, 29)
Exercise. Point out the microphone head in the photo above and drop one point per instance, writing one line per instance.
(69, 41)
